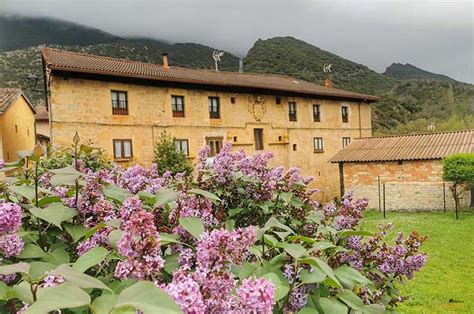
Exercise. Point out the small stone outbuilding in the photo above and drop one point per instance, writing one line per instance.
(408, 167)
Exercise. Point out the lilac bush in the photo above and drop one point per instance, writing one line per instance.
(240, 237)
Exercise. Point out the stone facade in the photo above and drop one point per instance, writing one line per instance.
(84, 105)
(409, 185)
(17, 129)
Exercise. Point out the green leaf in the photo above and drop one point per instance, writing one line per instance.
(247, 270)
(114, 237)
(116, 193)
(319, 246)
(55, 213)
(270, 240)
(75, 231)
(64, 179)
(23, 190)
(22, 291)
(3, 290)
(308, 310)
(165, 196)
(350, 277)
(234, 211)
(295, 250)
(193, 225)
(90, 258)
(315, 217)
(63, 296)
(349, 233)
(57, 257)
(166, 238)
(351, 299)
(48, 200)
(286, 197)
(148, 298)
(31, 250)
(319, 263)
(65, 171)
(21, 267)
(315, 276)
(171, 263)
(79, 279)
(281, 288)
(210, 196)
(104, 304)
(39, 269)
(332, 306)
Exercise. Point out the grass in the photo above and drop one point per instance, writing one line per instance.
(446, 282)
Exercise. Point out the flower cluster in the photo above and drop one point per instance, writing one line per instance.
(139, 243)
(10, 221)
(10, 243)
(2, 164)
(208, 288)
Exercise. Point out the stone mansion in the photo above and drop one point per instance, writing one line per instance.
(124, 106)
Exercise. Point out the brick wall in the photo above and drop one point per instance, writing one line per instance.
(409, 186)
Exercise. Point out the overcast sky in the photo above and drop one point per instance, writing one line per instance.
(434, 35)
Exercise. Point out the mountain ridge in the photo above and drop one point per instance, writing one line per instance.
(410, 71)
(407, 104)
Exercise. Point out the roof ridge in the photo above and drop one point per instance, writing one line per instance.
(414, 134)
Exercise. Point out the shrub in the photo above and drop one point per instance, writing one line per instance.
(459, 170)
(168, 159)
(240, 237)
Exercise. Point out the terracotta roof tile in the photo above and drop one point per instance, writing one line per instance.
(86, 63)
(7, 97)
(407, 147)
(42, 114)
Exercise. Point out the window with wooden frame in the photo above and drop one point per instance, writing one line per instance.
(123, 149)
(215, 143)
(177, 106)
(318, 145)
(346, 141)
(182, 145)
(345, 113)
(258, 138)
(214, 108)
(119, 103)
(316, 113)
(292, 111)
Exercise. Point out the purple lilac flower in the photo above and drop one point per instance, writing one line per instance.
(52, 281)
(2, 164)
(186, 292)
(11, 245)
(139, 243)
(10, 217)
(218, 247)
(256, 296)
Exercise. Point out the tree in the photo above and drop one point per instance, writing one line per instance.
(459, 170)
(167, 158)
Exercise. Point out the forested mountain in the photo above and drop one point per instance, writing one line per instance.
(21, 32)
(408, 71)
(411, 98)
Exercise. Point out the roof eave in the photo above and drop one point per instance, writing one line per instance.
(362, 97)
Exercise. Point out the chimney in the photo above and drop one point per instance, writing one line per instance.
(328, 83)
(241, 66)
(165, 61)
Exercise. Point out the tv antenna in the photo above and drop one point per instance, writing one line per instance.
(327, 68)
(216, 55)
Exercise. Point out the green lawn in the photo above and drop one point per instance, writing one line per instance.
(446, 283)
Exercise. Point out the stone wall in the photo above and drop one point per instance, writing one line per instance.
(85, 106)
(410, 186)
